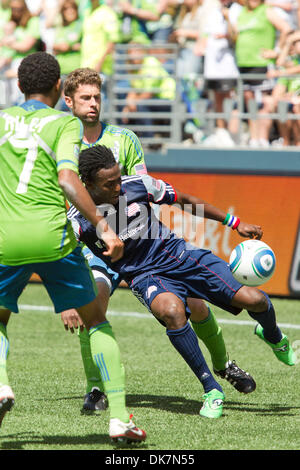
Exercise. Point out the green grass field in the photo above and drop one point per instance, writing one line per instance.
(47, 377)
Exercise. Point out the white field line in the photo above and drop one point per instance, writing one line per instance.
(45, 308)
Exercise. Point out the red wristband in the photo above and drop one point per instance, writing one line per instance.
(236, 224)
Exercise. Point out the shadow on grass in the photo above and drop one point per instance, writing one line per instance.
(165, 403)
(19, 441)
(192, 407)
(174, 404)
(262, 409)
(181, 405)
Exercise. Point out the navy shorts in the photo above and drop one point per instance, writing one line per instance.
(69, 282)
(101, 271)
(201, 275)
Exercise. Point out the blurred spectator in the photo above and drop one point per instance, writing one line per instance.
(220, 69)
(100, 33)
(190, 21)
(166, 54)
(84, 8)
(34, 6)
(287, 10)
(68, 36)
(26, 36)
(287, 89)
(4, 13)
(152, 82)
(254, 32)
(6, 53)
(186, 34)
(159, 31)
(23, 40)
(47, 11)
(134, 16)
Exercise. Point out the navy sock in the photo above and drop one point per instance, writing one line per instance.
(186, 343)
(267, 320)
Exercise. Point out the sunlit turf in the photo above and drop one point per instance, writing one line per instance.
(164, 396)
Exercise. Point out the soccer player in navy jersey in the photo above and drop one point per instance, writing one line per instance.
(82, 89)
(163, 270)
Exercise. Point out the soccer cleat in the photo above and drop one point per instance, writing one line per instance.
(95, 400)
(213, 404)
(125, 433)
(239, 379)
(7, 400)
(282, 350)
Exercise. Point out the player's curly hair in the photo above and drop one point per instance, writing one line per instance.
(38, 73)
(92, 160)
(81, 76)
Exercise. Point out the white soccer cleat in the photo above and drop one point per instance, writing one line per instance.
(7, 400)
(127, 433)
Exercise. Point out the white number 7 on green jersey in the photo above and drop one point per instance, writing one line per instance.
(32, 152)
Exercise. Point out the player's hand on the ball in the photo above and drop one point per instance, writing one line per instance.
(71, 320)
(250, 231)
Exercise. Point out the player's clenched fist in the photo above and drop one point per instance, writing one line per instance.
(249, 230)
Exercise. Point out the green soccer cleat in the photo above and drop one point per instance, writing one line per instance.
(282, 350)
(213, 404)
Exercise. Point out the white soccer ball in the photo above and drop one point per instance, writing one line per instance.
(252, 263)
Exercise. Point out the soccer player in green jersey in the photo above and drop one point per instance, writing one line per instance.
(82, 90)
(39, 148)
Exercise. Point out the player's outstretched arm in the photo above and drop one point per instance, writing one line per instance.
(211, 212)
(80, 198)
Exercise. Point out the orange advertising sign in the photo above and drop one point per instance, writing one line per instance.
(270, 201)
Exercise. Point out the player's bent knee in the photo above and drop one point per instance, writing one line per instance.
(199, 309)
(170, 309)
(172, 314)
(251, 299)
(92, 314)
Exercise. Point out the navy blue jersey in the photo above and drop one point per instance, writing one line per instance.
(149, 246)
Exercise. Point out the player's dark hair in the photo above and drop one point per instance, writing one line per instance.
(38, 73)
(92, 160)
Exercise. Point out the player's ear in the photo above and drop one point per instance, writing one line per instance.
(68, 100)
(58, 85)
(20, 87)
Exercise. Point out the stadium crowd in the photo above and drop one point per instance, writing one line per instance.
(217, 42)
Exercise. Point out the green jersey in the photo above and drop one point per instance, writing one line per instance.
(255, 34)
(70, 34)
(21, 33)
(35, 143)
(125, 146)
(100, 28)
(292, 85)
(154, 75)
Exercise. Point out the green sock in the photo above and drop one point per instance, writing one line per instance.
(93, 378)
(106, 354)
(4, 350)
(211, 334)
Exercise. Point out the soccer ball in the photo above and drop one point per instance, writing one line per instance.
(252, 263)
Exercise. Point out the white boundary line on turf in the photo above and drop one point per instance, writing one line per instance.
(45, 308)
